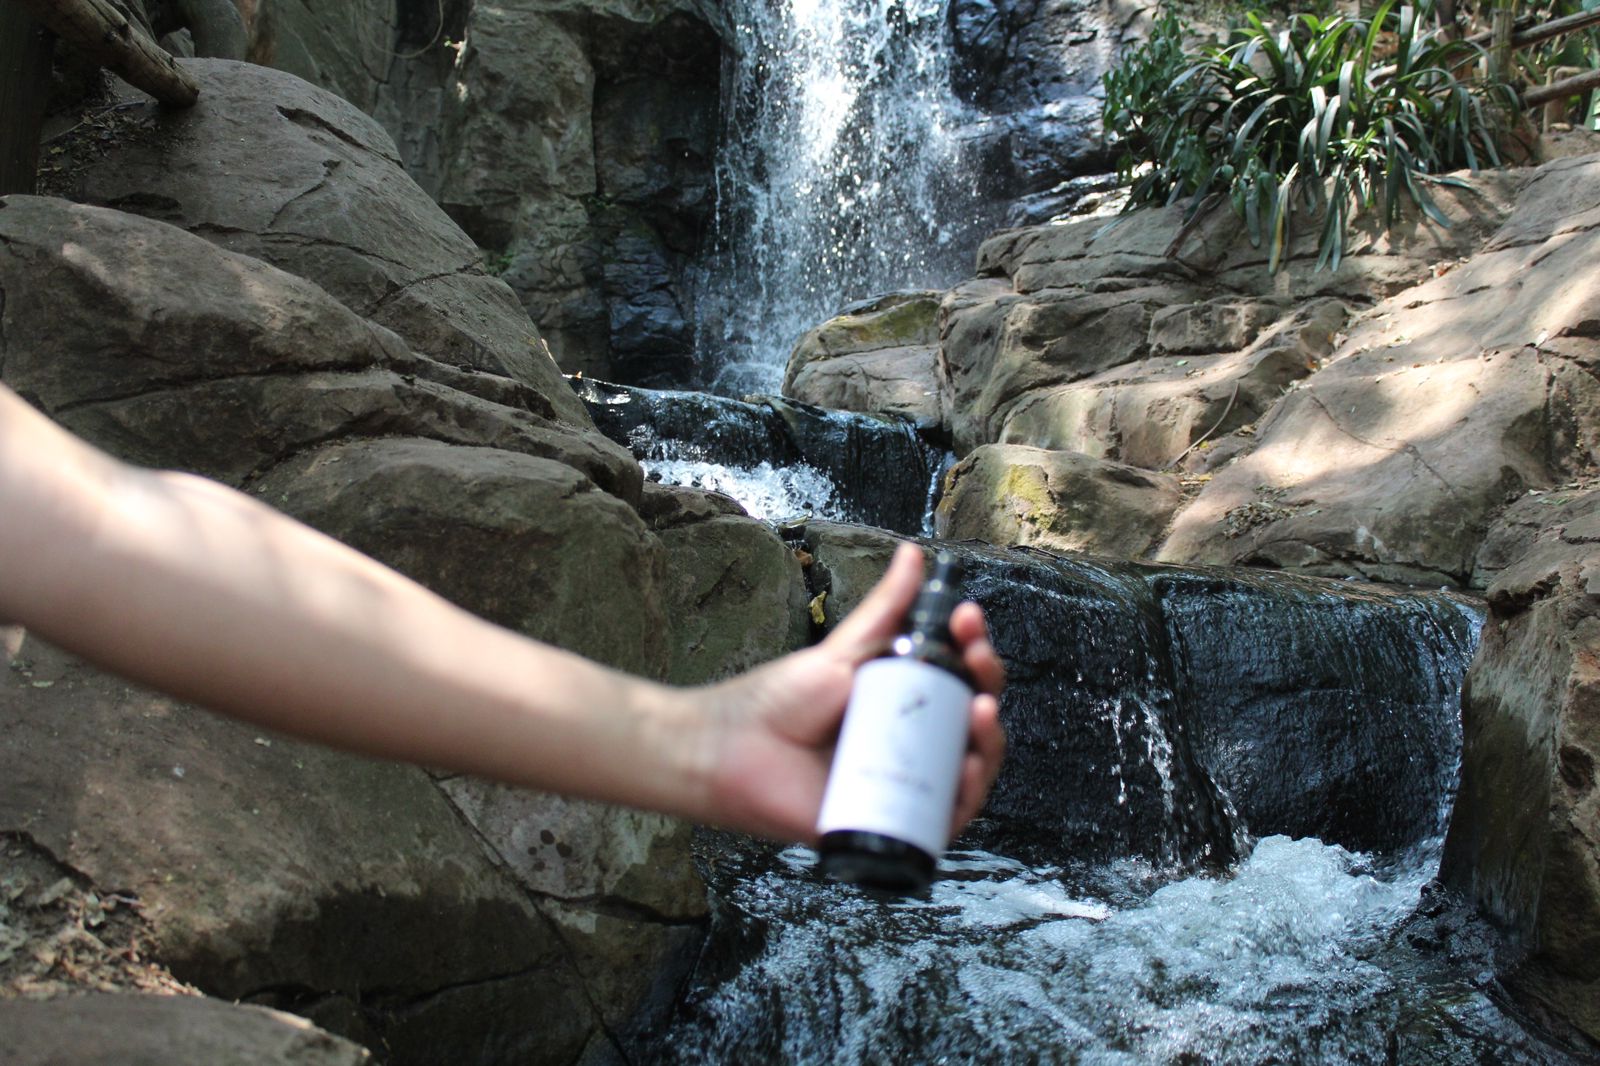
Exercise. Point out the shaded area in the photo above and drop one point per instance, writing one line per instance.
(869, 469)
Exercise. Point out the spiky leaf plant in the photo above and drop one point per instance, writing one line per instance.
(1311, 117)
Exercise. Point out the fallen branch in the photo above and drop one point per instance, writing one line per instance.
(1578, 83)
(1203, 437)
(1545, 30)
(108, 38)
(1520, 38)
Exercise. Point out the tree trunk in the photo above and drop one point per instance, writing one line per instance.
(25, 49)
(102, 33)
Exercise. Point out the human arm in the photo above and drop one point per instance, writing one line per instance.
(182, 584)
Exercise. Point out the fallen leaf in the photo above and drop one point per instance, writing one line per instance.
(817, 615)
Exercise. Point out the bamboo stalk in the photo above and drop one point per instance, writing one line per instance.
(108, 38)
(1531, 34)
(1544, 30)
(1578, 83)
(1500, 43)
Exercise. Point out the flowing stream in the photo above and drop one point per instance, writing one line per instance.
(1216, 833)
(1213, 842)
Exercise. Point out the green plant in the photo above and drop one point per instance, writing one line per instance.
(1569, 53)
(1331, 115)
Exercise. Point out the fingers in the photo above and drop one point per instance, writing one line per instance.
(982, 763)
(880, 614)
(977, 654)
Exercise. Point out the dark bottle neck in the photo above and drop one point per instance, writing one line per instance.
(927, 638)
(934, 652)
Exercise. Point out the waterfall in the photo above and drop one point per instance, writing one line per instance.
(842, 172)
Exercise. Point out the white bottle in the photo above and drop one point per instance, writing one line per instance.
(892, 790)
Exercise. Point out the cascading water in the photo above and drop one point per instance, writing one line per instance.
(1132, 894)
(842, 172)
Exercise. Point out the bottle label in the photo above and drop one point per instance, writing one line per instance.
(898, 762)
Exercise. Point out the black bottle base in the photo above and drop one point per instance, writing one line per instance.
(875, 861)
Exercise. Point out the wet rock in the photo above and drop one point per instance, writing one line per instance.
(1077, 701)
(1524, 841)
(651, 341)
(1138, 724)
(1036, 68)
(1321, 709)
(1439, 409)
(129, 1030)
(877, 470)
(878, 358)
(1062, 501)
(274, 168)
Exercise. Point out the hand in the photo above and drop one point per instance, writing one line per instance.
(771, 731)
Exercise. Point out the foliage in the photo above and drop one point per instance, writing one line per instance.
(1331, 115)
(1568, 54)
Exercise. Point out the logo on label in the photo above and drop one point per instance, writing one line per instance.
(914, 702)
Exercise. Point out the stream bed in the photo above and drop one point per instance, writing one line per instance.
(1214, 840)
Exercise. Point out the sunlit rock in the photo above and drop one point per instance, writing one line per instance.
(1441, 407)
(1007, 494)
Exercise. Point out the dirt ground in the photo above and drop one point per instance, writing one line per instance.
(58, 935)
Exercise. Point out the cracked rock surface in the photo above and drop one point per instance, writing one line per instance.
(272, 167)
(1443, 405)
(1525, 838)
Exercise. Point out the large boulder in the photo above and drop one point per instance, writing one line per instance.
(880, 357)
(165, 349)
(1439, 408)
(1007, 494)
(281, 872)
(107, 1030)
(1524, 841)
(1065, 305)
(267, 165)
(172, 352)
(525, 542)
(1214, 366)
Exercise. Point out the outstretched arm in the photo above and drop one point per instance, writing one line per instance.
(187, 586)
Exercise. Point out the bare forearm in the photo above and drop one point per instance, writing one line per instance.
(192, 588)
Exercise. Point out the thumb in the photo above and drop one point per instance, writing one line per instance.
(879, 615)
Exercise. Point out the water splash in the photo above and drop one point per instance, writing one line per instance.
(772, 494)
(1297, 956)
(843, 171)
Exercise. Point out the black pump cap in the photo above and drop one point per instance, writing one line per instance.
(930, 616)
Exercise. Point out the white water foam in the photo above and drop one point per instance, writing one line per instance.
(772, 494)
(1270, 963)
